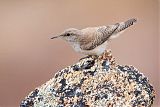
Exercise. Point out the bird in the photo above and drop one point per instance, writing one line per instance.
(93, 40)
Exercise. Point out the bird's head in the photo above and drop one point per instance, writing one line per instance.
(70, 34)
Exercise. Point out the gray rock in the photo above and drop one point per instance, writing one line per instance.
(93, 82)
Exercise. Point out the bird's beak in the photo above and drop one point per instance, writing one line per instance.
(56, 37)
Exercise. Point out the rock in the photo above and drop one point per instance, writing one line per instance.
(93, 82)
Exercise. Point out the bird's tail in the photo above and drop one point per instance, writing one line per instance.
(124, 25)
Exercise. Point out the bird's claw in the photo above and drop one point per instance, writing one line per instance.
(90, 56)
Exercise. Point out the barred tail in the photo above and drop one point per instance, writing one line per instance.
(124, 25)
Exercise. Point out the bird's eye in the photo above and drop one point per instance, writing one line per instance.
(68, 34)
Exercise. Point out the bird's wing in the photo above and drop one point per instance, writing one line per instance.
(94, 37)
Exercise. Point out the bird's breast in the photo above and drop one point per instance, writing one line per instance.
(76, 46)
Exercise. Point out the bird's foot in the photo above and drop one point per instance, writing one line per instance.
(94, 57)
(90, 56)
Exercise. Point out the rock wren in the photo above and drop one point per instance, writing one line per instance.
(93, 40)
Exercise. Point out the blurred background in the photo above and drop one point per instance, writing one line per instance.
(28, 58)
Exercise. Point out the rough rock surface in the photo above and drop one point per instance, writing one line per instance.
(94, 82)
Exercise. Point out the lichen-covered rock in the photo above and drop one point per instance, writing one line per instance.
(94, 83)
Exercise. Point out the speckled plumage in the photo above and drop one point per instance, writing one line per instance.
(94, 83)
(94, 40)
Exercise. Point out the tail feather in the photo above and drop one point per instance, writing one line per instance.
(121, 27)
(124, 25)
